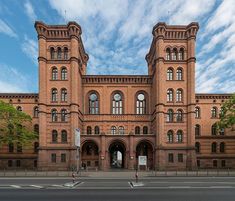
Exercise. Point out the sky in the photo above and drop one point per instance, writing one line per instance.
(117, 35)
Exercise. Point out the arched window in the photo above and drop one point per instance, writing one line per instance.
(64, 136)
(59, 53)
(54, 136)
(181, 54)
(35, 112)
(179, 74)
(179, 136)
(64, 115)
(141, 104)
(65, 53)
(168, 54)
(54, 95)
(170, 95)
(121, 130)
(89, 130)
(145, 130)
(214, 112)
(64, 74)
(54, 73)
(52, 52)
(174, 54)
(117, 104)
(170, 115)
(170, 136)
(198, 147)
(54, 115)
(179, 115)
(113, 130)
(214, 129)
(36, 128)
(169, 74)
(36, 145)
(137, 130)
(19, 108)
(10, 147)
(222, 147)
(197, 130)
(179, 94)
(63, 95)
(97, 130)
(93, 104)
(197, 112)
(213, 147)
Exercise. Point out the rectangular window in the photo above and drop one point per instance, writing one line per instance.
(53, 158)
(63, 158)
(198, 163)
(88, 163)
(214, 163)
(10, 163)
(223, 163)
(18, 163)
(180, 158)
(35, 163)
(171, 158)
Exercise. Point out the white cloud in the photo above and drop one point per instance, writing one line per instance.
(6, 29)
(30, 11)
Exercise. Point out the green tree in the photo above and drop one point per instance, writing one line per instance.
(227, 116)
(15, 126)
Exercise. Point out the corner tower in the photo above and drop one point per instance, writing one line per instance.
(171, 63)
(62, 62)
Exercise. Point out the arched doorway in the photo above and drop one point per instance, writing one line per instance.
(90, 155)
(117, 153)
(144, 148)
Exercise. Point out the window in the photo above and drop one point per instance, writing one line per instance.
(52, 52)
(214, 129)
(35, 163)
(97, 130)
(214, 112)
(54, 73)
(169, 74)
(54, 136)
(19, 108)
(221, 131)
(170, 95)
(170, 158)
(197, 112)
(53, 158)
(198, 163)
(141, 104)
(179, 115)
(170, 136)
(35, 112)
(36, 128)
(18, 163)
(137, 130)
(170, 115)
(64, 115)
(88, 150)
(174, 54)
(113, 130)
(213, 147)
(64, 74)
(10, 147)
(197, 130)
(117, 107)
(93, 104)
(181, 54)
(179, 93)
(19, 147)
(121, 130)
(10, 163)
(36, 145)
(168, 54)
(179, 136)
(89, 130)
(215, 163)
(54, 116)
(63, 158)
(223, 163)
(179, 74)
(59, 53)
(145, 130)
(54, 95)
(64, 136)
(222, 147)
(198, 147)
(64, 95)
(180, 158)
(65, 53)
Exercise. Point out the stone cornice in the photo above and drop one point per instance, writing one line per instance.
(18, 95)
(213, 96)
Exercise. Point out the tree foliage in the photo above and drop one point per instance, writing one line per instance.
(15, 126)
(227, 116)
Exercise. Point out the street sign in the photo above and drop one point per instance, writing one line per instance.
(77, 137)
(142, 160)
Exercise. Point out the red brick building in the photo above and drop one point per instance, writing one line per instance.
(121, 116)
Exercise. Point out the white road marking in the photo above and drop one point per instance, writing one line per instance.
(130, 184)
(36, 186)
(15, 186)
(179, 186)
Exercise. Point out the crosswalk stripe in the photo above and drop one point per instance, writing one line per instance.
(15, 186)
(36, 186)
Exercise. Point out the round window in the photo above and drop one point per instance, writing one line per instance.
(117, 97)
(93, 97)
(141, 97)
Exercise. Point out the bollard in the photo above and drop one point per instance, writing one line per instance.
(73, 177)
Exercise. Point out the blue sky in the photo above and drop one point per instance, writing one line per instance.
(117, 36)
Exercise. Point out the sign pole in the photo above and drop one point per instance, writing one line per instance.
(77, 144)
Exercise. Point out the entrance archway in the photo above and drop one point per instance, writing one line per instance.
(144, 148)
(117, 152)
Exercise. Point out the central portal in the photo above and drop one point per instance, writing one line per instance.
(117, 155)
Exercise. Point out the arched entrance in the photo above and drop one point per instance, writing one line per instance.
(144, 148)
(117, 153)
(90, 155)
